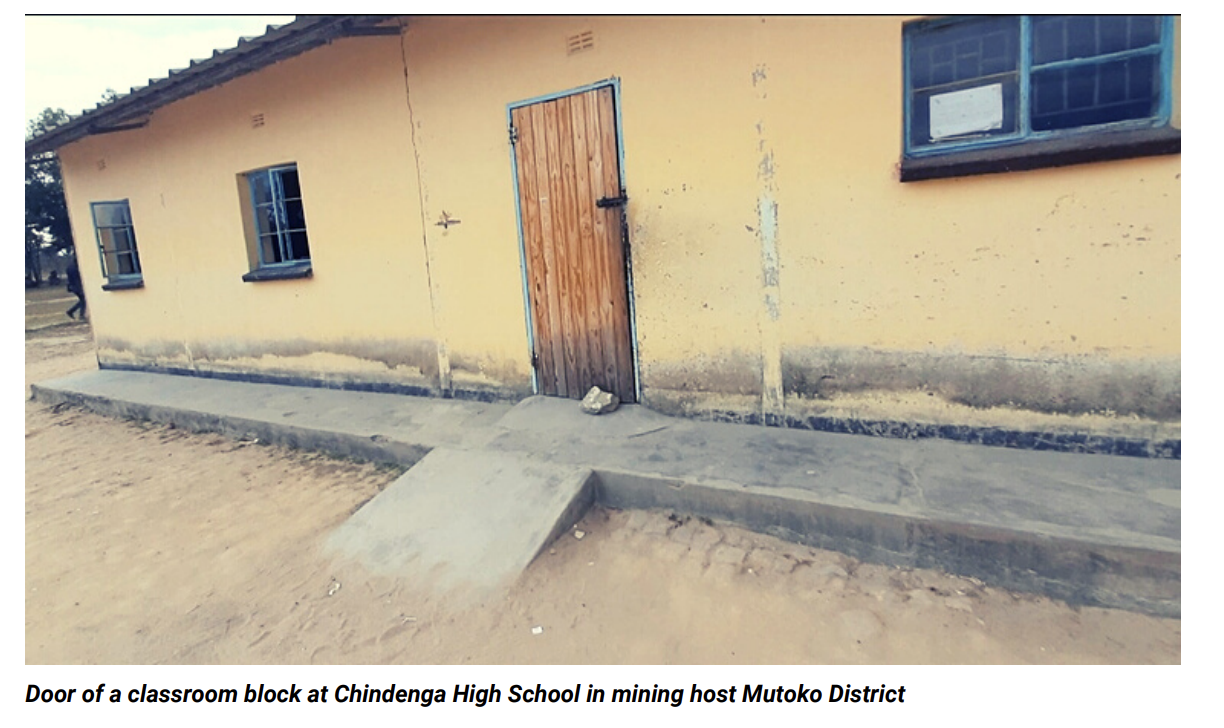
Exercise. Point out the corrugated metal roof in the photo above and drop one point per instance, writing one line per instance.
(131, 109)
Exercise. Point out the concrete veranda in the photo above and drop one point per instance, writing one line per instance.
(1090, 529)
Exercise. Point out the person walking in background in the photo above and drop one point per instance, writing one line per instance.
(74, 287)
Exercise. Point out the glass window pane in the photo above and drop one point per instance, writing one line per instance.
(1049, 92)
(968, 58)
(1081, 36)
(1081, 87)
(942, 73)
(110, 261)
(1085, 106)
(1049, 38)
(1111, 82)
(1113, 33)
(1068, 37)
(920, 69)
(265, 220)
(1144, 30)
(296, 217)
(994, 54)
(298, 247)
(1141, 73)
(290, 184)
(127, 265)
(941, 52)
(124, 241)
(964, 51)
(106, 215)
(269, 247)
(261, 188)
(112, 214)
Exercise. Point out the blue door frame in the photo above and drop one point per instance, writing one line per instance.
(614, 84)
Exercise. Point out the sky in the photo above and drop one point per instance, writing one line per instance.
(71, 60)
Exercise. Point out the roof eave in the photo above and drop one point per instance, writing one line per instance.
(249, 55)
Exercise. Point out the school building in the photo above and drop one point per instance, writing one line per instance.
(860, 223)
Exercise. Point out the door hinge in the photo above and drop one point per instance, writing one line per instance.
(513, 134)
(535, 360)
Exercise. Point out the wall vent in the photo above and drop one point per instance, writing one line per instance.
(257, 120)
(101, 164)
(583, 41)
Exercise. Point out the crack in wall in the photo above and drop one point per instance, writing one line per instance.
(444, 369)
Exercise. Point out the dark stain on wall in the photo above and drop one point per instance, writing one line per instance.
(505, 377)
(219, 358)
(730, 392)
(151, 351)
(1146, 388)
(1087, 443)
(421, 354)
(735, 373)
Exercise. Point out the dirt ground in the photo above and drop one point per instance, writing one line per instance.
(146, 544)
(47, 306)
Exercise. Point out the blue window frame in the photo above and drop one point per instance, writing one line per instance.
(280, 219)
(994, 81)
(116, 241)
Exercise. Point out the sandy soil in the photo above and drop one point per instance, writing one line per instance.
(149, 545)
(47, 306)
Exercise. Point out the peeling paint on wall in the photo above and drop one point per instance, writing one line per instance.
(772, 400)
(772, 403)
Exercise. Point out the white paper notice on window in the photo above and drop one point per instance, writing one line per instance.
(967, 111)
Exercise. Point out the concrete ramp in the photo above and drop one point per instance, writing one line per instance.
(466, 520)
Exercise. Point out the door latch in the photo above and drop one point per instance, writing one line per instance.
(612, 201)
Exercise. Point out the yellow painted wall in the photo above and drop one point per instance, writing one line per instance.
(778, 262)
(340, 114)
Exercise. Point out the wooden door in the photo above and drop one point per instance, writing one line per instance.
(572, 217)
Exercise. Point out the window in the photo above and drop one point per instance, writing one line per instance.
(281, 248)
(117, 245)
(1048, 85)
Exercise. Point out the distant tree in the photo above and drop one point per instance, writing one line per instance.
(47, 224)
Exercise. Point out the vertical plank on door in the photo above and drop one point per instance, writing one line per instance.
(561, 249)
(576, 272)
(525, 161)
(601, 233)
(615, 215)
(555, 348)
(593, 258)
